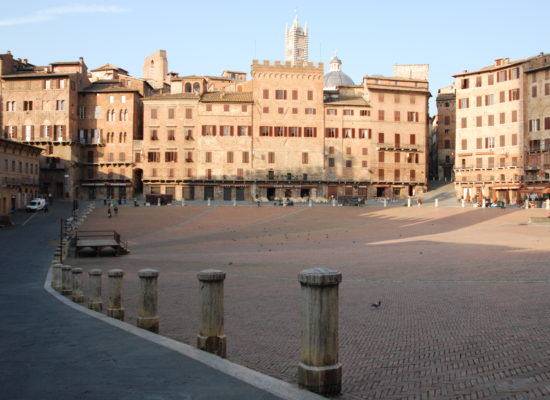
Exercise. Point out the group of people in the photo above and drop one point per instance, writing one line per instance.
(110, 213)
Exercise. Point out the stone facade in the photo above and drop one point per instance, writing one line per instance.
(296, 43)
(445, 133)
(493, 106)
(19, 171)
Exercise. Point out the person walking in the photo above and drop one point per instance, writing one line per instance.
(116, 210)
(109, 214)
(46, 207)
(50, 198)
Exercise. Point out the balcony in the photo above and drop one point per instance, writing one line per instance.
(398, 146)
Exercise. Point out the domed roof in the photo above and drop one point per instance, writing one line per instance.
(336, 77)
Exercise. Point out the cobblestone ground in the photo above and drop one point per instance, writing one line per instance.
(465, 292)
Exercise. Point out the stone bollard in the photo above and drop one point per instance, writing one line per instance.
(211, 336)
(310, 203)
(319, 369)
(66, 283)
(76, 278)
(148, 317)
(158, 202)
(56, 276)
(408, 202)
(483, 203)
(334, 202)
(548, 204)
(234, 203)
(183, 202)
(209, 202)
(385, 202)
(462, 203)
(437, 202)
(114, 308)
(526, 204)
(95, 302)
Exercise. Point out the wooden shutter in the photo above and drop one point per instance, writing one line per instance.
(204, 130)
(285, 129)
(300, 132)
(213, 130)
(270, 131)
(250, 131)
(315, 132)
(32, 132)
(231, 130)
(353, 133)
(336, 133)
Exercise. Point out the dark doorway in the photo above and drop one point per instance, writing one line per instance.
(380, 192)
(411, 190)
(447, 173)
(240, 193)
(333, 191)
(349, 190)
(209, 192)
(137, 176)
(270, 193)
(227, 193)
(288, 193)
(59, 189)
(91, 193)
(304, 192)
(189, 192)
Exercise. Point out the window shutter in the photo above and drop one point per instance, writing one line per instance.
(270, 131)
(284, 95)
(326, 132)
(336, 133)
(250, 131)
(315, 132)
(203, 130)
(300, 132)
(285, 129)
(353, 133)
(231, 130)
(14, 132)
(213, 130)
(32, 132)
(530, 125)
(42, 129)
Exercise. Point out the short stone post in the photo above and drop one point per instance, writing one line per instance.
(66, 284)
(319, 369)
(209, 202)
(158, 202)
(114, 308)
(462, 203)
(77, 294)
(211, 335)
(483, 203)
(385, 202)
(310, 203)
(183, 202)
(526, 204)
(56, 276)
(437, 202)
(234, 203)
(148, 316)
(408, 201)
(334, 202)
(548, 204)
(95, 302)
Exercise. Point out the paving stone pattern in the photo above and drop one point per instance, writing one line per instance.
(465, 308)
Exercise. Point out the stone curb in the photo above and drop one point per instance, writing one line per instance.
(261, 381)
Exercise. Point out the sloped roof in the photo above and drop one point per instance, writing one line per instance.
(108, 67)
(227, 97)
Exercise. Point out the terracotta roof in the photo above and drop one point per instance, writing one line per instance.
(9, 141)
(218, 78)
(493, 67)
(446, 96)
(227, 97)
(66, 63)
(192, 77)
(174, 96)
(108, 67)
(392, 88)
(102, 87)
(347, 101)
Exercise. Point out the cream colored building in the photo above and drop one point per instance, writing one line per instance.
(19, 172)
(497, 119)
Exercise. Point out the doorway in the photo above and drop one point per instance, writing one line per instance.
(227, 194)
(209, 192)
(137, 175)
(240, 194)
(271, 193)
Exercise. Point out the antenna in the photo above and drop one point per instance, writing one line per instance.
(255, 57)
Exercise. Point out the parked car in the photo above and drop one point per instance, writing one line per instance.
(36, 205)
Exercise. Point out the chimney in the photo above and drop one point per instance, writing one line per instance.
(498, 62)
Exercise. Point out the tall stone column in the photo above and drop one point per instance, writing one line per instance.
(211, 336)
(77, 295)
(319, 369)
(114, 308)
(66, 284)
(95, 302)
(148, 316)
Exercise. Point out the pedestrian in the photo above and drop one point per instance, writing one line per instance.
(258, 200)
(46, 208)
(109, 212)
(419, 201)
(50, 198)
(116, 210)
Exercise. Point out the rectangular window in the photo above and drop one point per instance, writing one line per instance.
(331, 162)
(502, 140)
(242, 131)
(447, 120)
(209, 130)
(310, 111)
(310, 94)
(293, 131)
(380, 137)
(348, 151)
(279, 131)
(280, 94)
(397, 116)
(533, 91)
(305, 157)
(464, 103)
(364, 151)
(188, 133)
(465, 83)
(412, 116)
(294, 110)
(502, 119)
(209, 107)
(547, 89)
(491, 162)
(349, 164)
(281, 110)
(208, 157)
(188, 113)
(489, 99)
(230, 157)
(464, 144)
(171, 156)
(226, 107)
(240, 173)
(478, 81)
(479, 101)
(364, 164)
(154, 134)
(265, 110)
(189, 156)
(396, 175)
(380, 174)
(310, 132)
(271, 157)
(331, 111)
(534, 125)
(546, 123)
(348, 112)
(490, 142)
(226, 130)
(479, 162)
(463, 123)
(294, 95)
(513, 94)
(479, 143)
(60, 105)
(153, 113)
(491, 120)
(331, 150)
(348, 133)
(266, 93)
(171, 134)
(514, 116)
(245, 158)
(153, 156)
(264, 130)
(171, 113)
(364, 113)
(502, 96)
(380, 156)
(244, 108)
(364, 133)
(380, 115)
(413, 138)
(514, 139)
(396, 157)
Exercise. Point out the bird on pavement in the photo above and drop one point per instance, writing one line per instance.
(376, 305)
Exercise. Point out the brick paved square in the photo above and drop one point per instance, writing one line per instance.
(465, 307)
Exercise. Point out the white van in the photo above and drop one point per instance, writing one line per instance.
(36, 205)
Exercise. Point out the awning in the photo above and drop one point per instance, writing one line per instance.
(289, 186)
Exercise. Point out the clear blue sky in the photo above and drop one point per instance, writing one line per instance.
(207, 37)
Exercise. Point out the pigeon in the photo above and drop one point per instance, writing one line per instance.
(376, 305)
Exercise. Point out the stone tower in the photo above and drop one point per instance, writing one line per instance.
(155, 69)
(296, 43)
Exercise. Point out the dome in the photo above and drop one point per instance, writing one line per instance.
(336, 77)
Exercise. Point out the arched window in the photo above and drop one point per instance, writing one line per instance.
(187, 87)
(125, 115)
(196, 87)
(121, 117)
